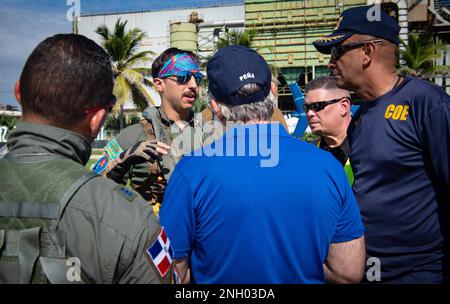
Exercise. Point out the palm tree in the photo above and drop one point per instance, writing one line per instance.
(233, 37)
(112, 123)
(246, 38)
(236, 37)
(130, 80)
(419, 55)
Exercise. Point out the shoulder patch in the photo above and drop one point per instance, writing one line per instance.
(126, 193)
(113, 149)
(160, 253)
(100, 165)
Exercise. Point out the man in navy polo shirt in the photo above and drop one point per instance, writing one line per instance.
(400, 139)
(257, 205)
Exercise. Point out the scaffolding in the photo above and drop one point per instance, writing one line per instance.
(286, 30)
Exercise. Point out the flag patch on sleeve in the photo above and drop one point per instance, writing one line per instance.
(161, 253)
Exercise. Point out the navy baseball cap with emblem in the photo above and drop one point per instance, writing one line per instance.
(233, 67)
(360, 20)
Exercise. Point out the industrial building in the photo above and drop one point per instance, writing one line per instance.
(10, 110)
(167, 24)
(285, 29)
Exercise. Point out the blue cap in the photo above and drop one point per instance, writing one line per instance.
(360, 20)
(233, 67)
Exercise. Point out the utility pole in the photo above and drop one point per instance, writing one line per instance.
(75, 25)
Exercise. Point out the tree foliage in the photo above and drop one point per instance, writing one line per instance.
(130, 67)
(236, 37)
(112, 124)
(309, 137)
(418, 57)
(8, 121)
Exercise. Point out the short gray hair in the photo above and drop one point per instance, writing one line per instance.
(258, 111)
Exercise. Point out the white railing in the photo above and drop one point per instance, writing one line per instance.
(3, 134)
(102, 134)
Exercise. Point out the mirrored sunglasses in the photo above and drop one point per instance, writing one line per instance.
(185, 78)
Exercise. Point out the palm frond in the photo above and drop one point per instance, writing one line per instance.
(144, 71)
(149, 83)
(133, 77)
(148, 98)
(119, 28)
(123, 92)
(129, 66)
(138, 82)
(139, 59)
(103, 31)
(237, 37)
(438, 70)
(420, 54)
(139, 100)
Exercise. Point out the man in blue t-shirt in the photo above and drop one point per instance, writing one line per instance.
(257, 205)
(400, 139)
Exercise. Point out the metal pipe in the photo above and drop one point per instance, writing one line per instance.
(299, 36)
(439, 17)
(403, 21)
(445, 10)
(330, 22)
(232, 23)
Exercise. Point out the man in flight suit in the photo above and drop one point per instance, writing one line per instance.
(59, 223)
(145, 153)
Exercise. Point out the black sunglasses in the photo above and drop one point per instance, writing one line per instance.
(183, 79)
(320, 105)
(338, 51)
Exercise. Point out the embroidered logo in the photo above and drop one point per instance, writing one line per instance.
(126, 193)
(339, 23)
(247, 76)
(100, 165)
(329, 39)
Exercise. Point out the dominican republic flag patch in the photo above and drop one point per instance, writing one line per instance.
(160, 253)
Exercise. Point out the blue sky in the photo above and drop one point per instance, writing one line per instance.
(24, 23)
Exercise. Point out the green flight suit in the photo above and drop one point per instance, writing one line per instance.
(150, 178)
(107, 227)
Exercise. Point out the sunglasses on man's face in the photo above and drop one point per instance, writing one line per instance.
(338, 51)
(185, 78)
(108, 107)
(320, 105)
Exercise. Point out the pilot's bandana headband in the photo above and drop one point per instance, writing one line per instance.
(180, 64)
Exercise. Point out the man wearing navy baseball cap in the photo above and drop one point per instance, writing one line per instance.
(226, 225)
(232, 86)
(234, 67)
(399, 150)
